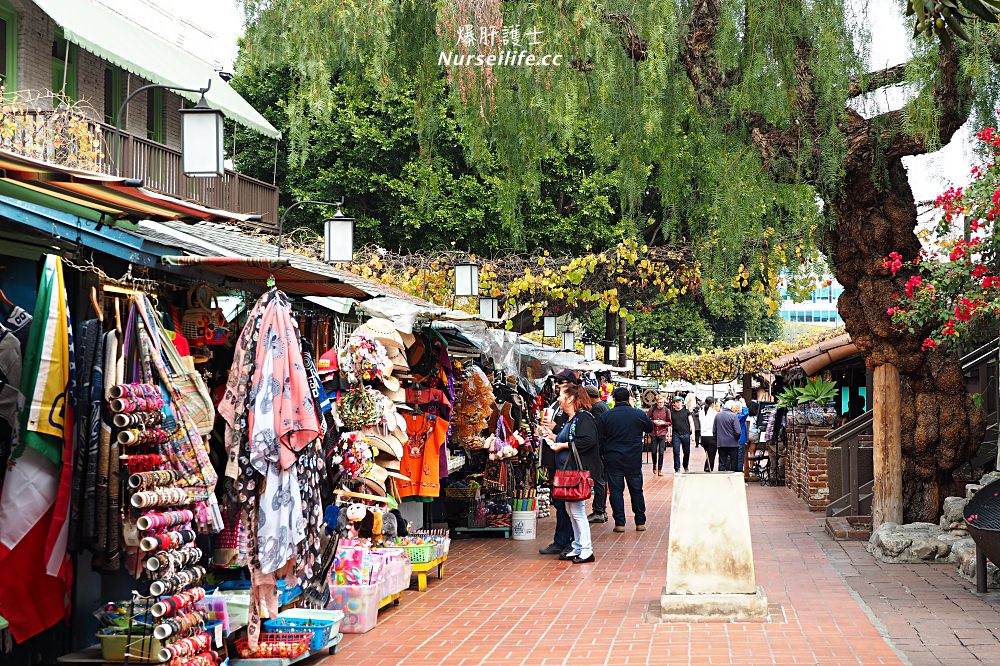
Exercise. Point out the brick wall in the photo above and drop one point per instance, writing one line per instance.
(805, 466)
(35, 34)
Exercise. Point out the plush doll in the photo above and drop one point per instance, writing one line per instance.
(402, 527)
(367, 524)
(356, 514)
(378, 526)
(389, 532)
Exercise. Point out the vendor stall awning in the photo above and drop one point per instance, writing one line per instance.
(210, 246)
(113, 37)
(94, 196)
(817, 357)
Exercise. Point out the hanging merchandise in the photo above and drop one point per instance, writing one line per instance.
(203, 322)
(361, 407)
(365, 359)
(421, 455)
(472, 409)
(275, 461)
(354, 454)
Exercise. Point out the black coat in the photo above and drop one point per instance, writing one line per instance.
(621, 430)
(587, 444)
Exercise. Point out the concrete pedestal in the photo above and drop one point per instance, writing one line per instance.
(710, 571)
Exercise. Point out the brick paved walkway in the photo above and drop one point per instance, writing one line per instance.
(502, 603)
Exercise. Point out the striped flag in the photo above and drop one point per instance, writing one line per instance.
(35, 570)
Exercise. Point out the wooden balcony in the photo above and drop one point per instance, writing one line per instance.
(47, 135)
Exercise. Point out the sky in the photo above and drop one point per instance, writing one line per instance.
(220, 24)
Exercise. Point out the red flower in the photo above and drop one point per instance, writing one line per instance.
(911, 284)
(990, 281)
(929, 344)
(894, 262)
(979, 271)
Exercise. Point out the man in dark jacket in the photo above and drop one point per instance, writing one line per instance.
(600, 506)
(621, 431)
(727, 431)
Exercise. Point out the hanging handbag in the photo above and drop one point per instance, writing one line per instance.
(572, 485)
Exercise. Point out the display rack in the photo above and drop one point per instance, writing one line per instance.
(329, 648)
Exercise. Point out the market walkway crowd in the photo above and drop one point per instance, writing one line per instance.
(582, 432)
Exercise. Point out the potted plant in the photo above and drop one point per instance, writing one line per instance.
(816, 394)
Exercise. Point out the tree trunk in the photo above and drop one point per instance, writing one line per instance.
(940, 425)
(622, 340)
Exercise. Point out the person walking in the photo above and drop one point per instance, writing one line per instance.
(621, 432)
(707, 418)
(660, 416)
(682, 425)
(562, 540)
(599, 514)
(579, 432)
(691, 404)
(726, 429)
(744, 414)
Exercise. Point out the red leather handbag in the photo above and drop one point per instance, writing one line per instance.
(572, 485)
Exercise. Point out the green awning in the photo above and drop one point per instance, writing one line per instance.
(128, 45)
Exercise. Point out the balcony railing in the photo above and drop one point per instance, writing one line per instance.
(158, 166)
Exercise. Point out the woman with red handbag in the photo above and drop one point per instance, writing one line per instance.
(579, 462)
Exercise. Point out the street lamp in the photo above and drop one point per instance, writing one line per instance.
(489, 307)
(589, 350)
(467, 279)
(281, 221)
(338, 237)
(613, 353)
(549, 326)
(569, 340)
(201, 130)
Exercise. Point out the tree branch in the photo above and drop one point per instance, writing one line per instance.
(699, 52)
(878, 79)
(884, 130)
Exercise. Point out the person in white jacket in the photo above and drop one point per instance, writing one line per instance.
(710, 409)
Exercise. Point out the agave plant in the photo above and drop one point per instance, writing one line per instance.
(789, 397)
(817, 390)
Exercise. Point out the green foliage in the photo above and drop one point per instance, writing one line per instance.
(789, 397)
(817, 390)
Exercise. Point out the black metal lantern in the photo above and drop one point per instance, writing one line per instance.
(568, 340)
(549, 326)
(202, 141)
(338, 238)
(489, 307)
(589, 350)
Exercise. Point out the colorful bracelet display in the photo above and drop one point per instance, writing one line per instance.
(139, 419)
(143, 437)
(159, 520)
(181, 624)
(154, 479)
(169, 562)
(178, 602)
(176, 582)
(167, 540)
(186, 647)
(158, 497)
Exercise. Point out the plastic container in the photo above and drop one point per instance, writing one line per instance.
(334, 616)
(214, 607)
(142, 649)
(237, 608)
(275, 645)
(320, 629)
(286, 594)
(418, 554)
(359, 604)
(523, 525)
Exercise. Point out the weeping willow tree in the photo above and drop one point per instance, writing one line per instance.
(740, 115)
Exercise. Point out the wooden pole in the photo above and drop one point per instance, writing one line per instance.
(622, 340)
(887, 452)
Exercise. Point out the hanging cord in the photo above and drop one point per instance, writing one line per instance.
(127, 280)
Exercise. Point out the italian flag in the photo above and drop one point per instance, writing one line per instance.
(35, 571)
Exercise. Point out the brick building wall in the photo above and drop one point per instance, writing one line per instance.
(805, 466)
(35, 34)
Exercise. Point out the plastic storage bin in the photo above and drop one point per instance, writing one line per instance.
(334, 616)
(237, 607)
(359, 604)
(143, 649)
(286, 593)
(214, 607)
(320, 629)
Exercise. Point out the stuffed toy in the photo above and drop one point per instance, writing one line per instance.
(378, 525)
(356, 513)
(389, 532)
(367, 524)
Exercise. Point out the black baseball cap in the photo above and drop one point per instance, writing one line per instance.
(566, 375)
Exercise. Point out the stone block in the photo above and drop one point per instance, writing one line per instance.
(989, 477)
(709, 551)
(694, 607)
(953, 508)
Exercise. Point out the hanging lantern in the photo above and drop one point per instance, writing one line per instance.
(489, 307)
(628, 364)
(589, 350)
(202, 141)
(639, 370)
(338, 238)
(613, 353)
(549, 326)
(467, 279)
(569, 340)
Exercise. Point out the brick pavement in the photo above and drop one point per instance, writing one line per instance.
(502, 603)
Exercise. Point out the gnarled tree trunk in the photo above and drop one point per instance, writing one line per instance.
(940, 423)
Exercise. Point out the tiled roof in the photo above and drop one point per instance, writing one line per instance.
(816, 357)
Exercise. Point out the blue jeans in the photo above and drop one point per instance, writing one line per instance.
(564, 526)
(727, 459)
(739, 456)
(618, 478)
(582, 545)
(679, 442)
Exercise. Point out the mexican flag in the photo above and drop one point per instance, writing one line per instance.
(35, 571)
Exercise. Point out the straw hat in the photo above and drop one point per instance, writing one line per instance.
(398, 358)
(382, 330)
(388, 444)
